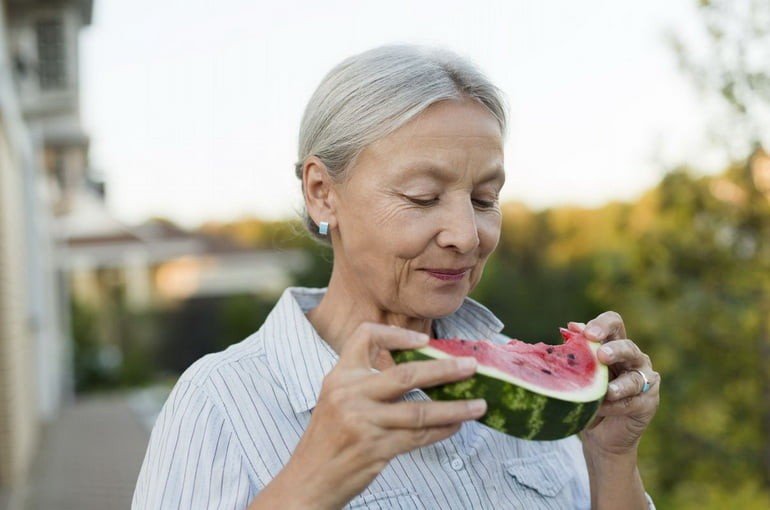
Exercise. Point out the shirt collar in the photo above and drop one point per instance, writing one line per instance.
(299, 358)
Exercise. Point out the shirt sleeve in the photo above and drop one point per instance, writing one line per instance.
(193, 459)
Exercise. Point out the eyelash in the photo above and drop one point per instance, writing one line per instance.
(423, 203)
(483, 204)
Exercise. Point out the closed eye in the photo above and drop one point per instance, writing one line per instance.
(427, 202)
(484, 204)
(423, 202)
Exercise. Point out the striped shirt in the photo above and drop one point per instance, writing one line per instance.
(234, 417)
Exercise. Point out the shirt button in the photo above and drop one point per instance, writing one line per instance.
(457, 464)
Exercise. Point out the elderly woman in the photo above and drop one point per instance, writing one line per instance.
(401, 163)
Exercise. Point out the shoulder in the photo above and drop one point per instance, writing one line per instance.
(230, 382)
(220, 380)
(231, 394)
(255, 354)
(193, 445)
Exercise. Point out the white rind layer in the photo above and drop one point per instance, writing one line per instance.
(590, 393)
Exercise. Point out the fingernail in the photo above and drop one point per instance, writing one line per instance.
(614, 388)
(420, 339)
(594, 331)
(466, 363)
(477, 406)
(607, 350)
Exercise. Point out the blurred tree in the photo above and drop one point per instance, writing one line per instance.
(531, 282)
(727, 59)
(689, 298)
(89, 371)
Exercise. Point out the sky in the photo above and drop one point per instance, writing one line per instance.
(194, 106)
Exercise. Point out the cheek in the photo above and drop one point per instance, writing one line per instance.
(489, 233)
(409, 238)
(489, 227)
(388, 232)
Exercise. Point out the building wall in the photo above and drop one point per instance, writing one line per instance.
(59, 157)
(18, 413)
(35, 349)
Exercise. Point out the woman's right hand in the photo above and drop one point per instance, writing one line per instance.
(359, 423)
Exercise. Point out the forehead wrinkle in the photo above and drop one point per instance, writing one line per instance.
(438, 172)
(401, 152)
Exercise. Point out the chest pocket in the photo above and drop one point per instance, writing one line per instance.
(542, 478)
(397, 499)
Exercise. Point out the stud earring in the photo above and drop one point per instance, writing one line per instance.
(323, 228)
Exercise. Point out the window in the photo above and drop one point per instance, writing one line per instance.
(51, 54)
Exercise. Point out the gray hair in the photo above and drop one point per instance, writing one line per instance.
(369, 95)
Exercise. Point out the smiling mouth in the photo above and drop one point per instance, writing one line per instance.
(448, 274)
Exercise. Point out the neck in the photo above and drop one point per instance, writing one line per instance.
(344, 307)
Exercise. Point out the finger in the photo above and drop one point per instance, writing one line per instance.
(639, 405)
(421, 414)
(406, 440)
(369, 339)
(397, 380)
(629, 384)
(607, 326)
(576, 327)
(625, 353)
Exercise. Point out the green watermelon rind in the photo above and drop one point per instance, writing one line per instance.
(514, 407)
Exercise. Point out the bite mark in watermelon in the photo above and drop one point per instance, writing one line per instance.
(533, 391)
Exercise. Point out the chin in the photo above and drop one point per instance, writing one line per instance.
(436, 305)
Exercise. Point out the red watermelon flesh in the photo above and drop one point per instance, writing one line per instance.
(566, 367)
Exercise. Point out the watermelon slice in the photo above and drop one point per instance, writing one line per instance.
(533, 391)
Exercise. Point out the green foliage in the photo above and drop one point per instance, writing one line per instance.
(90, 373)
(319, 269)
(688, 267)
(726, 59)
(241, 315)
(746, 495)
(126, 360)
(697, 299)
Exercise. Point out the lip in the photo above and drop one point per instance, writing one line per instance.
(448, 274)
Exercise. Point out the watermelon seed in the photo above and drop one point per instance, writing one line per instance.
(571, 356)
(549, 350)
(545, 371)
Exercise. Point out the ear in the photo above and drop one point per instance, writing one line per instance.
(320, 196)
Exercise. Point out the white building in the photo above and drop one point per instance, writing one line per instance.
(42, 151)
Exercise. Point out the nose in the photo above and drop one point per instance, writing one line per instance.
(460, 231)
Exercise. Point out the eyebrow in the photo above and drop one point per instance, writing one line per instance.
(441, 174)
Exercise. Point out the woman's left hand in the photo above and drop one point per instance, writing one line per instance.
(626, 411)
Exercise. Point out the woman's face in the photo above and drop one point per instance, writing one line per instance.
(418, 214)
